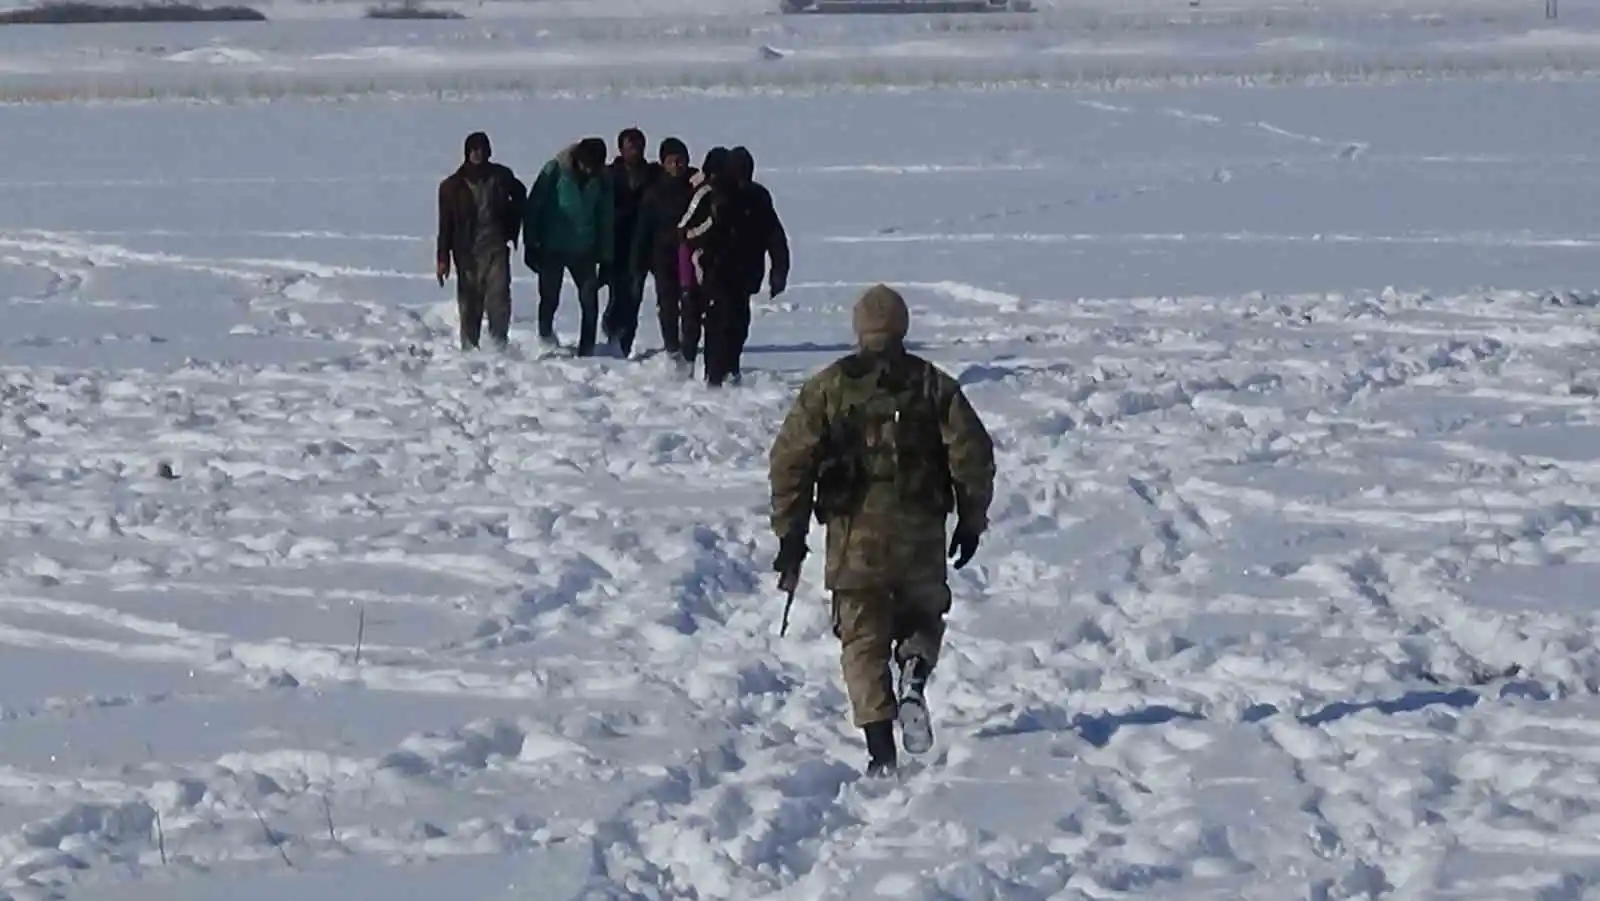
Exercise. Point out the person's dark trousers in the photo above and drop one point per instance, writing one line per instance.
(483, 289)
(720, 316)
(621, 320)
(738, 326)
(586, 275)
(669, 298)
(469, 304)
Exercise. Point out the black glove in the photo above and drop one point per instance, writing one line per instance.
(963, 544)
(792, 552)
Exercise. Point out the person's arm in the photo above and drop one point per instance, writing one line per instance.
(516, 199)
(446, 234)
(533, 212)
(793, 462)
(970, 451)
(777, 249)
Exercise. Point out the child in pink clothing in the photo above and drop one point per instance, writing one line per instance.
(686, 277)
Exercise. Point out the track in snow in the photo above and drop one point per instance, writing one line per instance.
(1261, 561)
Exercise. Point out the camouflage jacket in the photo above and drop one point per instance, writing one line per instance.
(882, 449)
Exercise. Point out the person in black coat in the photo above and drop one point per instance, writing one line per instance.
(632, 176)
(754, 234)
(654, 250)
(704, 271)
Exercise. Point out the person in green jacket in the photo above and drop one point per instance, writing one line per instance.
(568, 229)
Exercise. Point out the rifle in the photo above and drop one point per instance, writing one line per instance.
(787, 583)
(791, 555)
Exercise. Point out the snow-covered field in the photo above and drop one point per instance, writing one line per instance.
(1289, 592)
(583, 46)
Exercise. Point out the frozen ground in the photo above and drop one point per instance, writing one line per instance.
(722, 46)
(1289, 593)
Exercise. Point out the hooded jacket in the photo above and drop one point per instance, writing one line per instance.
(881, 447)
(754, 230)
(704, 226)
(567, 218)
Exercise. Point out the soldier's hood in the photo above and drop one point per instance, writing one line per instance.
(880, 319)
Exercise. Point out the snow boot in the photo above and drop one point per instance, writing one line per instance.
(916, 726)
(881, 752)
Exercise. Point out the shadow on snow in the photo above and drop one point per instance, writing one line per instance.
(1098, 728)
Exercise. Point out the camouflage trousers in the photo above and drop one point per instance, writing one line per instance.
(483, 290)
(878, 626)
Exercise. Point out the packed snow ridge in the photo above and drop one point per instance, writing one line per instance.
(1287, 596)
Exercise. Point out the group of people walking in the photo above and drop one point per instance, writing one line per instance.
(881, 447)
(704, 236)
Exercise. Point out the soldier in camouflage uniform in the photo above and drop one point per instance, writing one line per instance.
(881, 447)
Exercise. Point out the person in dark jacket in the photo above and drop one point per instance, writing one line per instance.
(631, 178)
(754, 234)
(704, 232)
(480, 210)
(654, 251)
(567, 230)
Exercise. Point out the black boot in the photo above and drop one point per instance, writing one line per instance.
(881, 752)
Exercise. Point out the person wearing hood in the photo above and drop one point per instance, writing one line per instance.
(632, 176)
(656, 240)
(754, 234)
(704, 232)
(881, 447)
(568, 229)
(480, 211)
